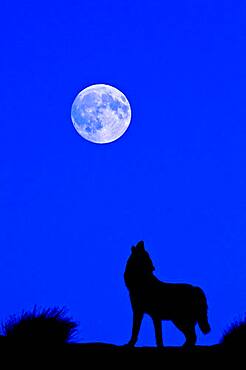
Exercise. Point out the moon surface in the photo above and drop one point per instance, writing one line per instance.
(101, 113)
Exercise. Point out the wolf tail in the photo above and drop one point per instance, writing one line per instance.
(202, 311)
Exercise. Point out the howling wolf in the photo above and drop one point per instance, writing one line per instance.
(183, 304)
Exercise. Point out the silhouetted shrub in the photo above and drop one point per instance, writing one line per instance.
(235, 336)
(47, 326)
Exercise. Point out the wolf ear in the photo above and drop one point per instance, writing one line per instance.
(133, 249)
(140, 245)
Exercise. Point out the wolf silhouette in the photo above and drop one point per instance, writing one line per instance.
(183, 304)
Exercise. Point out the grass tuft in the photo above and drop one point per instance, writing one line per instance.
(48, 326)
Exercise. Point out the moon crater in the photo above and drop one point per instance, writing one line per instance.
(101, 113)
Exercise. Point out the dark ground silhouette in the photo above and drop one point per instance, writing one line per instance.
(103, 355)
(183, 304)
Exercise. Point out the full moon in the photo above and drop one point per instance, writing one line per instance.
(101, 113)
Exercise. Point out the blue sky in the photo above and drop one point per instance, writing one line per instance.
(70, 210)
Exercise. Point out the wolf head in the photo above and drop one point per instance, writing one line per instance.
(139, 265)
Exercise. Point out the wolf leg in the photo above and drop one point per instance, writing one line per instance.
(190, 335)
(137, 320)
(188, 329)
(158, 332)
